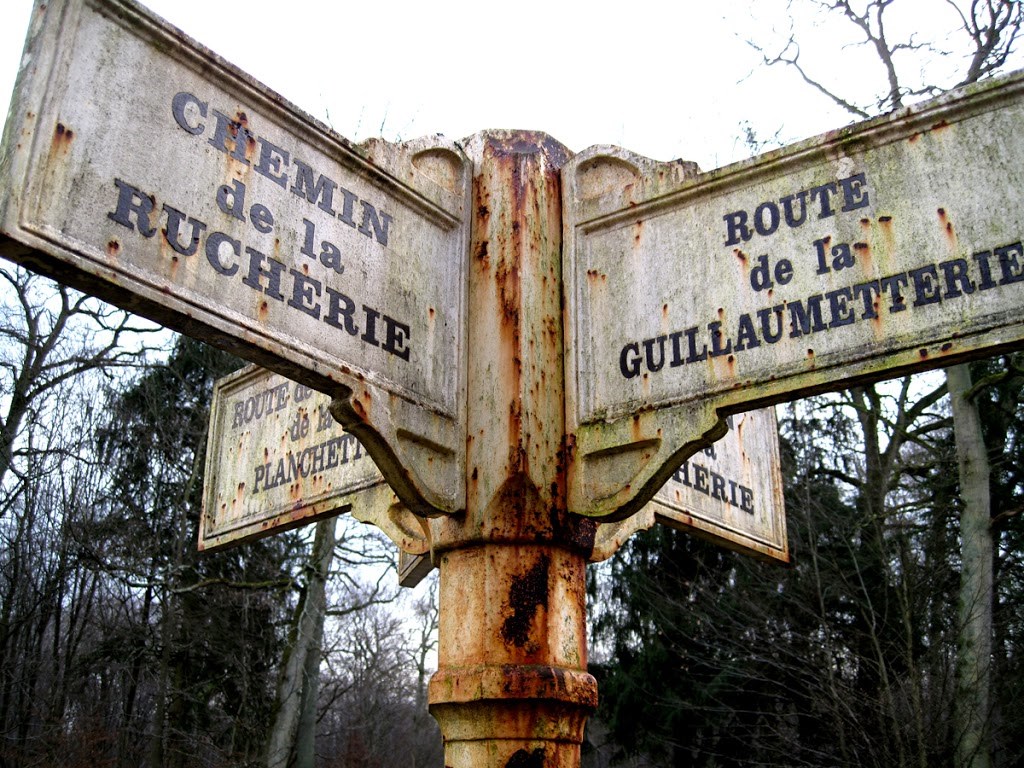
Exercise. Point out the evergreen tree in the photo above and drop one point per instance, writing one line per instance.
(201, 648)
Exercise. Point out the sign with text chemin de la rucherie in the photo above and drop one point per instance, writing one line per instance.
(140, 167)
(276, 459)
(889, 246)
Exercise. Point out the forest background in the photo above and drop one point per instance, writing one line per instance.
(890, 642)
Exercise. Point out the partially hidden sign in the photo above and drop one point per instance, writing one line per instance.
(140, 167)
(890, 246)
(729, 492)
(276, 459)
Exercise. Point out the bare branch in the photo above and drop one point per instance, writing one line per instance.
(793, 60)
(993, 27)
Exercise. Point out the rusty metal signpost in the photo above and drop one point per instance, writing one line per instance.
(528, 343)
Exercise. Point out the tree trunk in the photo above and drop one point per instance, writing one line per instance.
(297, 685)
(305, 736)
(973, 736)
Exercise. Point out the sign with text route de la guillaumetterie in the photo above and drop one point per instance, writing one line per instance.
(890, 246)
(729, 493)
(142, 168)
(276, 459)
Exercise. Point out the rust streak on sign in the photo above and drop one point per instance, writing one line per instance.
(887, 247)
(140, 167)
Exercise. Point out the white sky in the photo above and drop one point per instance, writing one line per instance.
(659, 78)
(664, 78)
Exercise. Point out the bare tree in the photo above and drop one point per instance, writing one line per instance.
(49, 334)
(300, 668)
(881, 40)
(991, 29)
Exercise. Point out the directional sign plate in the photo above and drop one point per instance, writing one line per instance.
(729, 492)
(142, 168)
(276, 459)
(891, 246)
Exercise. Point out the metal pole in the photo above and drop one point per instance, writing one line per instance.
(512, 687)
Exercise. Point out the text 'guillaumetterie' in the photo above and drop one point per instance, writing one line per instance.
(932, 282)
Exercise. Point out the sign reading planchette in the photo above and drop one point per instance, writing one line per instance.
(890, 246)
(140, 167)
(276, 459)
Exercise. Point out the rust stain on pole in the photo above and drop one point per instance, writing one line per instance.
(527, 595)
(512, 688)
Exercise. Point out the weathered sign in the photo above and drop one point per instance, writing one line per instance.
(890, 246)
(729, 492)
(276, 459)
(142, 168)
